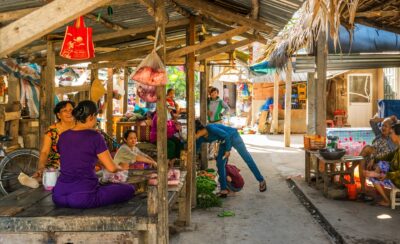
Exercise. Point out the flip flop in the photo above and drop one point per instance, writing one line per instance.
(222, 195)
(226, 213)
(263, 186)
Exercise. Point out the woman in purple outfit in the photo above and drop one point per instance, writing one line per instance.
(80, 148)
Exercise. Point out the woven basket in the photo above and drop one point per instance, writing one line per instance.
(314, 142)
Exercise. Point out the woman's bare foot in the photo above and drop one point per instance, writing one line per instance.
(383, 203)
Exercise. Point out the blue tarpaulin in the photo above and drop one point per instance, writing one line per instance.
(365, 40)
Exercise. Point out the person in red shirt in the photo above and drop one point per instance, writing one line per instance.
(234, 179)
(172, 106)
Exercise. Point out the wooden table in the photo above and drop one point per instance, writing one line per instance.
(343, 167)
(30, 216)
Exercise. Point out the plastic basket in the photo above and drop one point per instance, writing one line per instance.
(314, 142)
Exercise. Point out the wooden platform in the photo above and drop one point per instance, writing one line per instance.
(30, 216)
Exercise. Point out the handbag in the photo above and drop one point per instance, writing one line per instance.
(78, 42)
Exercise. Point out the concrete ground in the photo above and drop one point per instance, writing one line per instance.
(277, 216)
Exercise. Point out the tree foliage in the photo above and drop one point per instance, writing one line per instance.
(177, 81)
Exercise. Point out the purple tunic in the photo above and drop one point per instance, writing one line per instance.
(78, 186)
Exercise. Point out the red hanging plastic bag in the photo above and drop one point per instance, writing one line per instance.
(151, 71)
(78, 42)
(146, 93)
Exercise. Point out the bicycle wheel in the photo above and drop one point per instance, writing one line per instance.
(21, 160)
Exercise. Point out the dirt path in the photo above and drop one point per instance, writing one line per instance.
(275, 216)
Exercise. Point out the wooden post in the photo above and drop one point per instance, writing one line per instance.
(288, 104)
(152, 209)
(109, 110)
(275, 113)
(126, 78)
(321, 62)
(191, 163)
(47, 91)
(94, 74)
(14, 101)
(162, 169)
(203, 110)
(311, 100)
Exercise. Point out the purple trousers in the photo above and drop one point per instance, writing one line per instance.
(98, 196)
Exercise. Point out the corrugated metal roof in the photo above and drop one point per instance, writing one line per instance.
(345, 62)
(275, 13)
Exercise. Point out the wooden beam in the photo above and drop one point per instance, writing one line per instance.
(223, 49)
(224, 15)
(255, 37)
(288, 104)
(311, 103)
(126, 79)
(42, 21)
(149, 4)
(204, 79)
(104, 22)
(223, 72)
(137, 30)
(275, 112)
(109, 99)
(69, 89)
(162, 169)
(15, 14)
(180, 10)
(113, 35)
(120, 55)
(321, 63)
(209, 41)
(190, 83)
(47, 91)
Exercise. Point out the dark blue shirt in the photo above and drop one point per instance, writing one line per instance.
(218, 132)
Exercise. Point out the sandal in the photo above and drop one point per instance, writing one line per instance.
(263, 186)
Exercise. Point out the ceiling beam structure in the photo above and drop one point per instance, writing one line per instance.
(207, 42)
(214, 11)
(113, 35)
(223, 49)
(47, 18)
(254, 37)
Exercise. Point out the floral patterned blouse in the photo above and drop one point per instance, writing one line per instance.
(53, 159)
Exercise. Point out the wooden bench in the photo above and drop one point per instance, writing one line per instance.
(30, 216)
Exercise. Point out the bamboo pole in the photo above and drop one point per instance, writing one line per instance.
(321, 62)
(162, 169)
(311, 100)
(47, 91)
(275, 112)
(109, 110)
(204, 76)
(288, 104)
(191, 165)
(126, 78)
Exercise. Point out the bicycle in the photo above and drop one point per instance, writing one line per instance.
(13, 163)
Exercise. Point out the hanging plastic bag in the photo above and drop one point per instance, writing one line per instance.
(78, 42)
(151, 71)
(146, 93)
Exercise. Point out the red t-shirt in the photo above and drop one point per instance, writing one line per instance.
(234, 173)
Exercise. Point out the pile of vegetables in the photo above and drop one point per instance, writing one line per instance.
(206, 185)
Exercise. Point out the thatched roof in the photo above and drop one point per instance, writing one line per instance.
(327, 15)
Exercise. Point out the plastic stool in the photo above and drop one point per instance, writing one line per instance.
(394, 201)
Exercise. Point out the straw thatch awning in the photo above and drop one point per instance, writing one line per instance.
(328, 15)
